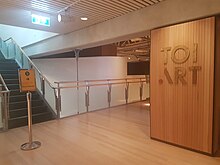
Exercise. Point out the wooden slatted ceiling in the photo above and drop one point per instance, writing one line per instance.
(96, 10)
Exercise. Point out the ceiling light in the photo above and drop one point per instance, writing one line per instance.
(59, 18)
(129, 58)
(84, 18)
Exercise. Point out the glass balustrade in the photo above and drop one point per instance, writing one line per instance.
(1, 115)
(95, 95)
(82, 101)
(98, 98)
(68, 102)
(4, 111)
(4, 105)
(3, 48)
(11, 50)
(50, 96)
(118, 95)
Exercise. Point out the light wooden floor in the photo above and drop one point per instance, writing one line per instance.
(118, 136)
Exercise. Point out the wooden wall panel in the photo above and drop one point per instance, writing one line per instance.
(182, 109)
(216, 123)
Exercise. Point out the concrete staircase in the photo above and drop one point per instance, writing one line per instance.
(17, 102)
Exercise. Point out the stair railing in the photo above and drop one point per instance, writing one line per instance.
(4, 104)
(11, 50)
(52, 94)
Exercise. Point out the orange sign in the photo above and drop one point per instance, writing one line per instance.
(27, 80)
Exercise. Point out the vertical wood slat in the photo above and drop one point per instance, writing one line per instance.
(182, 114)
(96, 10)
(54, 6)
(216, 123)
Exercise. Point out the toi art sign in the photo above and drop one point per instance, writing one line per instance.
(180, 72)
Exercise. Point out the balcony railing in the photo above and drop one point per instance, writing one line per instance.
(89, 95)
(74, 97)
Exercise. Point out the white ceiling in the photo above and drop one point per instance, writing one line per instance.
(18, 12)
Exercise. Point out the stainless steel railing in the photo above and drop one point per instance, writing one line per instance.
(15, 52)
(4, 96)
(32, 65)
(87, 84)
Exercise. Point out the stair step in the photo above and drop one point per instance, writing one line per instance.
(13, 86)
(24, 111)
(8, 66)
(22, 97)
(9, 76)
(36, 118)
(8, 61)
(16, 92)
(23, 104)
(14, 71)
(18, 102)
(11, 81)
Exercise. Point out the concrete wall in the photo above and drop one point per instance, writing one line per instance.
(92, 68)
(24, 36)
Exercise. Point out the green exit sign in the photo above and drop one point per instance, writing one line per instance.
(40, 20)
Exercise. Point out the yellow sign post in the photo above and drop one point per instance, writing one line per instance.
(27, 84)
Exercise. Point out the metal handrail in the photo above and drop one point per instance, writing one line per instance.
(30, 61)
(22, 55)
(101, 80)
(4, 84)
(91, 83)
(5, 94)
(80, 86)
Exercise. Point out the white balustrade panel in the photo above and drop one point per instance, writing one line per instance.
(81, 100)
(146, 91)
(50, 97)
(118, 95)
(98, 98)
(134, 92)
(38, 81)
(69, 105)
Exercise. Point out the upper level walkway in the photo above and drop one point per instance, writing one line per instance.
(115, 136)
